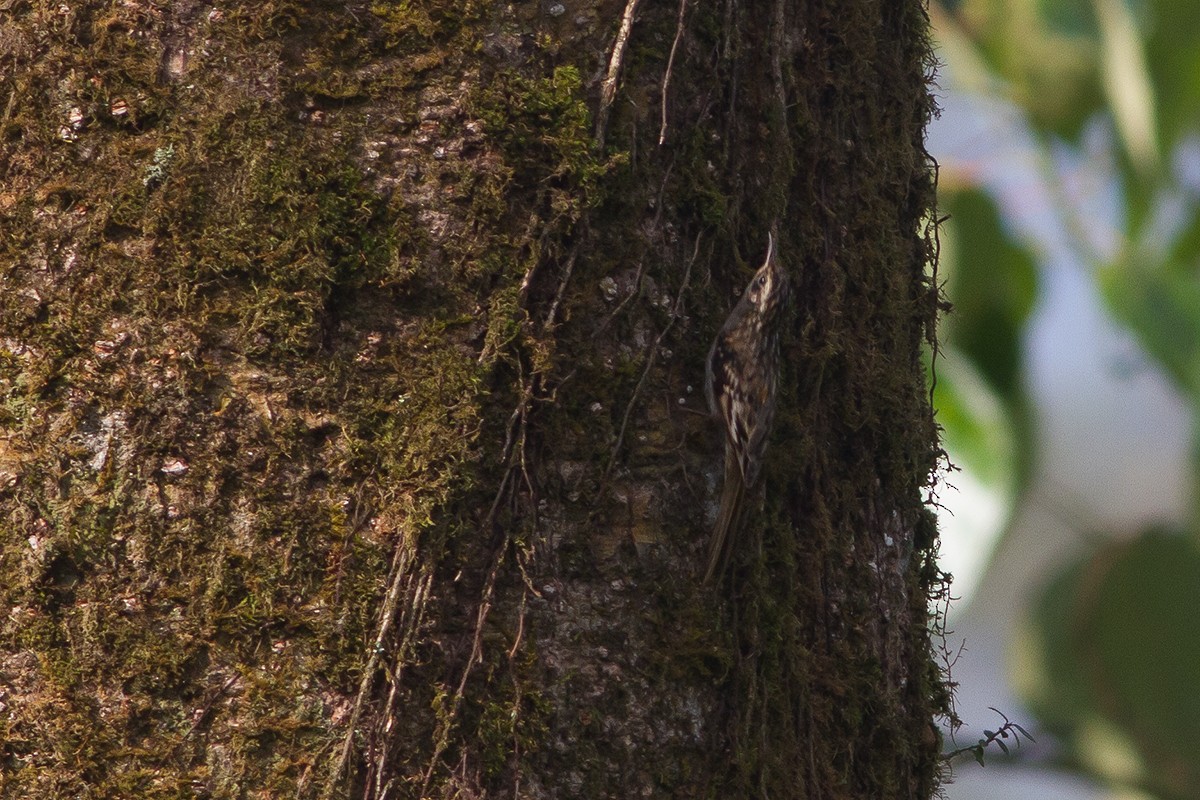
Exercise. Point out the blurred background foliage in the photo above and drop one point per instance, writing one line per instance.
(1104, 98)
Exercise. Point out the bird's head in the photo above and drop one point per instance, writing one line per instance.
(768, 289)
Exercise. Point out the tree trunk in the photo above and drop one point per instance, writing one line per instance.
(355, 442)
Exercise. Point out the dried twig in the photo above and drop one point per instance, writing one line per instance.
(608, 89)
(397, 581)
(417, 606)
(562, 288)
(662, 131)
(514, 457)
(676, 310)
(207, 708)
(641, 270)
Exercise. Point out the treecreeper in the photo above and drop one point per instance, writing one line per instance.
(742, 374)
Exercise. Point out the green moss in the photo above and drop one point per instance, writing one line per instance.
(544, 126)
(403, 20)
(237, 263)
(409, 23)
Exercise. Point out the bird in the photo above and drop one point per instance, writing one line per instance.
(741, 376)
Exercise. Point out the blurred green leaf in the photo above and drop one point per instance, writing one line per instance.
(1131, 95)
(1046, 672)
(1047, 53)
(1138, 614)
(977, 428)
(1162, 306)
(1173, 57)
(1185, 249)
(1070, 17)
(993, 283)
(1116, 643)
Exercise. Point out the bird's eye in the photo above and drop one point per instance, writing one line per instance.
(761, 282)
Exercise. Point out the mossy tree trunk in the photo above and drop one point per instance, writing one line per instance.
(351, 366)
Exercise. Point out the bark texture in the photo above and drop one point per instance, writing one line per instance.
(354, 440)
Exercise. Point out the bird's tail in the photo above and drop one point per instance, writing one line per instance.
(727, 518)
